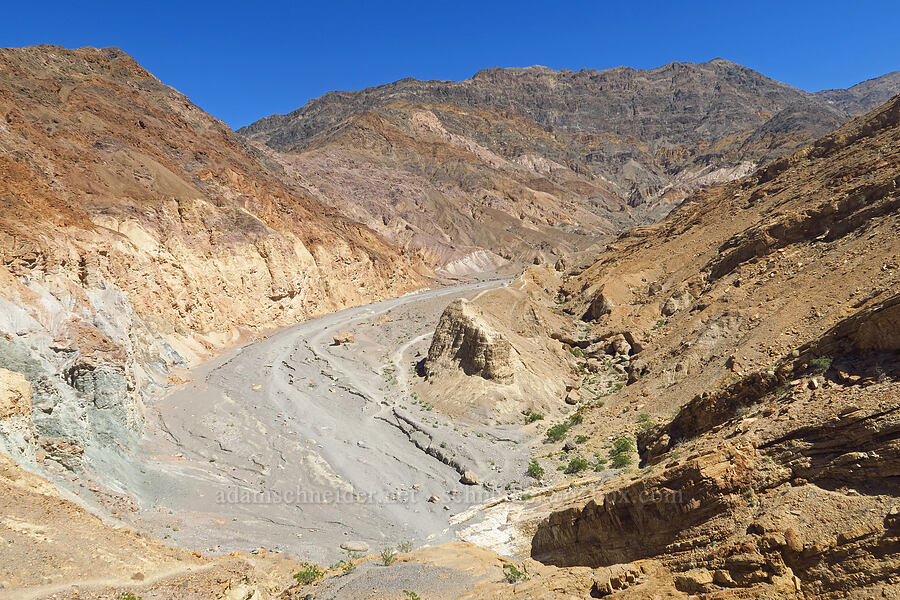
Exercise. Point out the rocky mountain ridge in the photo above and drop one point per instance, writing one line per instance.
(529, 163)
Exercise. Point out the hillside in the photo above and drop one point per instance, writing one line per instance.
(138, 234)
(531, 163)
(748, 345)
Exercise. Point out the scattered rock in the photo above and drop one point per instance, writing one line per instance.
(434, 498)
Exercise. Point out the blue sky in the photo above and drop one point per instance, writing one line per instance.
(244, 60)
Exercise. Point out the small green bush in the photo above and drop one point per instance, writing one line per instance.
(576, 419)
(388, 556)
(411, 595)
(405, 546)
(514, 574)
(129, 596)
(310, 573)
(557, 432)
(531, 416)
(821, 364)
(576, 465)
(580, 439)
(535, 469)
(620, 453)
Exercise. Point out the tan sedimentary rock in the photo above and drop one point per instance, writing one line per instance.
(463, 338)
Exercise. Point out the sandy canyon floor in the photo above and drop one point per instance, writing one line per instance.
(299, 445)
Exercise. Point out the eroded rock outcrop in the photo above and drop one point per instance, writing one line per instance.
(493, 356)
(464, 339)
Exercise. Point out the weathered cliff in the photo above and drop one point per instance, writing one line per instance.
(138, 233)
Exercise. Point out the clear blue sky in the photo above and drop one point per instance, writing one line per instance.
(244, 60)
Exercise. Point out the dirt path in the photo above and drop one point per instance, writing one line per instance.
(297, 445)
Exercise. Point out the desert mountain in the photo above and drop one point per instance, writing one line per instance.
(704, 407)
(863, 96)
(749, 344)
(529, 162)
(139, 233)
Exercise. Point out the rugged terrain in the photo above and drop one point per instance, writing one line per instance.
(530, 163)
(704, 407)
(138, 234)
(747, 349)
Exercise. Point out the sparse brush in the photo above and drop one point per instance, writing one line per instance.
(821, 364)
(514, 574)
(620, 453)
(576, 465)
(557, 432)
(405, 546)
(532, 416)
(535, 470)
(388, 556)
(309, 573)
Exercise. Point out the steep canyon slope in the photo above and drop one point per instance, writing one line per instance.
(749, 347)
(137, 234)
(526, 163)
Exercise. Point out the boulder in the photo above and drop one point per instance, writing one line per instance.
(693, 581)
(637, 369)
(600, 306)
(677, 302)
(618, 345)
(669, 308)
(344, 337)
(469, 478)
(561, 264)
(355, 546)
